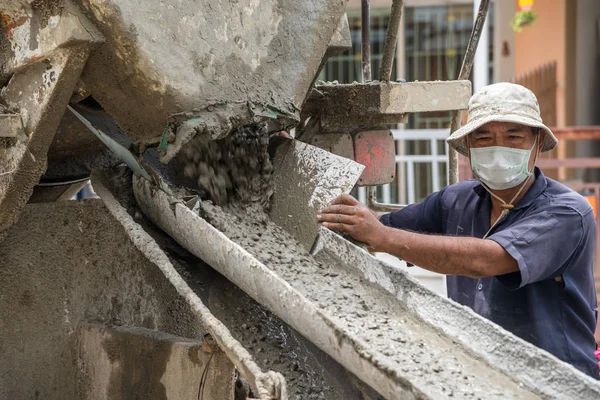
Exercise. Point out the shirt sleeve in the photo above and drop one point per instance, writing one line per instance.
(422, 217)
(542, 243)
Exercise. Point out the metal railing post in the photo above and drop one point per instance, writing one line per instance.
(385, 72)
(465, 71)
(365, 31)
(391, 38)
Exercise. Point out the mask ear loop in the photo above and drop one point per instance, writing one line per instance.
(506, 207)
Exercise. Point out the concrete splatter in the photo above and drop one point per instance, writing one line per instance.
(234, 172)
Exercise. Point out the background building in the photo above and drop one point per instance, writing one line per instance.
(558, 57)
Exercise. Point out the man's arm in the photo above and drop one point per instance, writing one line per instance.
(465, 256)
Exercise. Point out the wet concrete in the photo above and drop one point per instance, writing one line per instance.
(434, 365)
(234, 171)
(309, 372)
(252, 55)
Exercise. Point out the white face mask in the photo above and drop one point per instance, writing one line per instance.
(501, 167)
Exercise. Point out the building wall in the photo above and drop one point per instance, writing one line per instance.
(504, 41)
(587, 100)
(545, 42)
(587, 63)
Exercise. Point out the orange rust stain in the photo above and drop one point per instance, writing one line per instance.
(35, 58)
(8, 23)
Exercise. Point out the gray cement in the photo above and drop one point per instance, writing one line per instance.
(305, 295)
(309, 372)
(434, 366)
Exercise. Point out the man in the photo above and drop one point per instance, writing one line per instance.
(517, 247)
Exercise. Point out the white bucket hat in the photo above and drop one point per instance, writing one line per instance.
(502, 102)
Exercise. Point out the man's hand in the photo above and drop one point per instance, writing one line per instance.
(346, 214)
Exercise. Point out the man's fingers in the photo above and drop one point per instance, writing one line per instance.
(340, 209)
(336, 227)
(346, 199)
(336, 218)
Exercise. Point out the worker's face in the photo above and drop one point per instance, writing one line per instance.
(507, 134)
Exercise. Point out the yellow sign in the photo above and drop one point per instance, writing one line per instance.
(525, 5)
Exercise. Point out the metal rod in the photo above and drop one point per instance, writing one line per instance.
(386, 207)
(385, 73)
(391, 39)
(365, 28)
(465, 71)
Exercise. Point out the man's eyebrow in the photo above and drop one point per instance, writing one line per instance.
(481, 131)
(515, 129)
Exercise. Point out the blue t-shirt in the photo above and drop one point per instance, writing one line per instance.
(551, 233)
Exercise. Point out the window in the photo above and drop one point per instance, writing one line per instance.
(347, 67)
(435, 40)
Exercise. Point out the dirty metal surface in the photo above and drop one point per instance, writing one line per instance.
(75, 150)
(374, 103)
(337, 143)
(341, 39)
(40, 93)
(193, 368)
(33, 31)
(376, 150)
(306, 179)
(253, 61)
(11, 125)
(387, 344)
(64, 264)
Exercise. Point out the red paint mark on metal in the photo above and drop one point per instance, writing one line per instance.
(376, 151)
